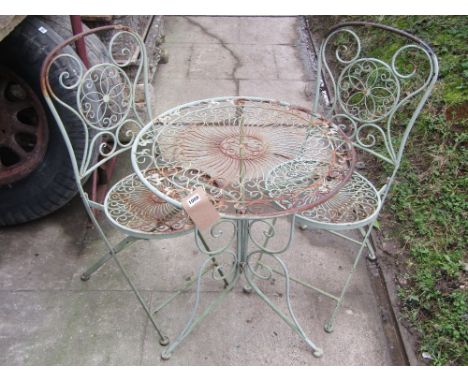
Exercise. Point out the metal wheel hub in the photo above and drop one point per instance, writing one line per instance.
(23, 128)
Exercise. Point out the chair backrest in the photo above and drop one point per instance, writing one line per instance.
(376, 80)
(96, 107)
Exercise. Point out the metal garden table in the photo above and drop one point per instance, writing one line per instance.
(258, 160)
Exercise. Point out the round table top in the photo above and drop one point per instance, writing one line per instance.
(255, 158)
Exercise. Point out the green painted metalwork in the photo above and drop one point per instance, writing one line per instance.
(242, 262)
(260, 157)
(103, 101)
(367, 97)
(278, 155)
(258, 160)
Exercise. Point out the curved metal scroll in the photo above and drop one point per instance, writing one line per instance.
(102, 98)
(368, 94)
(254, 157)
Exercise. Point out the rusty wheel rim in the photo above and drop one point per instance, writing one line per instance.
(23, 128)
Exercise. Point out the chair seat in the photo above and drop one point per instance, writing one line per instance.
(133, 208)
(355, 205)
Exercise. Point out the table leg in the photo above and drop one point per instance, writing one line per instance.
(268, 236)
(194, 319)
(218, 273)
(241, 264)
(254, 270)
(294, 324)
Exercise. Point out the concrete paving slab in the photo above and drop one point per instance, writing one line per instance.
(330, 257)
(290, 62)
(160, 265)
(31, 327)
(52, 243)
(180, 56)
(268, 30)
(285, 90)
(68, 328)
(170, 92)
(214, 61)
(255, 61)
(202, 29)
(104, 328)
(243, 330)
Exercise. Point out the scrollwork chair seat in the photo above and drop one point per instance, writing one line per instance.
(355, 205)
(131, 207)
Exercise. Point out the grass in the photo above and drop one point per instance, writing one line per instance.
(427, 209)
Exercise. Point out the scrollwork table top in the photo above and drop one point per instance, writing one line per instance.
(256, 158)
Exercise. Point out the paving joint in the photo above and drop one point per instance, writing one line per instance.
(237, 60)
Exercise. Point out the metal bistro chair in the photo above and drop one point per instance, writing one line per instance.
(96, 111)
(376, 86)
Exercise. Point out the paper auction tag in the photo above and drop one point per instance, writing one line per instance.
(200, 209)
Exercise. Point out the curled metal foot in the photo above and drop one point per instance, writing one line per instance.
(247, 289)
(328, 327)
(165, 355)
(317, 353)
(85, 277)
(164, 341)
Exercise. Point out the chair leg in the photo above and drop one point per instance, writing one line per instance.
(213, 260)
(329, 325)
(118, 248)
(371, 255)
(163, 340)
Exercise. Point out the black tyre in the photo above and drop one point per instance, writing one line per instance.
(50, 184)
(95, 49)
